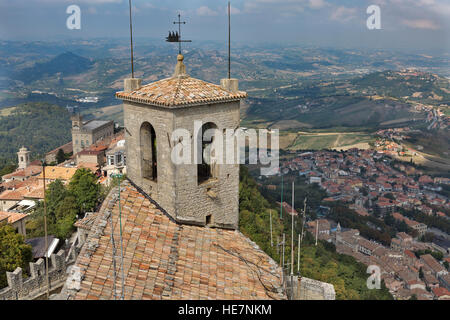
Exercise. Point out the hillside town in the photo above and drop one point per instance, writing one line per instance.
(99, 147)
(371, 184)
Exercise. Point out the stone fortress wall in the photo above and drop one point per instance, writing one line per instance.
(36, 285)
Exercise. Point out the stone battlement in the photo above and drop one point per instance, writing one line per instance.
(35, 285)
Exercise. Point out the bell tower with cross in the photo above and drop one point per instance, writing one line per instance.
(197, 192)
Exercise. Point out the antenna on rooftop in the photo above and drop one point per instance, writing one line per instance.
(229, 40)
(131, 42)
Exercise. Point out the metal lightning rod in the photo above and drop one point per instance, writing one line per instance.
(131, 42)
(292, 231)
(229, 40)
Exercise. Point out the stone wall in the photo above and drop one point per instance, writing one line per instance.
(309, 289)
(36, 285)
(176, 189)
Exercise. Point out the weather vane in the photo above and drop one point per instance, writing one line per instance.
(175, 36)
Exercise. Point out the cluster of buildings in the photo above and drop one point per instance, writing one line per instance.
(369, 184)
(95, 146)
(404, 273)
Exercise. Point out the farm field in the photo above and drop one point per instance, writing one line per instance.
(330, 140)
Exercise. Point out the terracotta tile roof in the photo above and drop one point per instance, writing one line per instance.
(27, 172)
(30, 188)
(12, 195)
(432, 263)
(67, 148)
(53, 173)
(180, 91)
(36, 193)
(12, 216)
(440, 291)
(87, 222)
(166, 260)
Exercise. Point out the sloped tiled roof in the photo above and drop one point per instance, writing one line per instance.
(166, 260)
(87, 222)
(53, 173)
(179, 92)
(12, 216)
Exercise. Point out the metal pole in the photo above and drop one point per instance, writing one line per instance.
(131, 40)
(317, 230)
(298, 255)
(179, 33)
(114, 257)
(284, 238)
(229, 40)
(281, 203)
(271, 237)
(46, 235)
(292, 231)
(301, 235)
(121, 246)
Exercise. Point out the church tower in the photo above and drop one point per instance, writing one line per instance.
(194, 192)
(23, 157)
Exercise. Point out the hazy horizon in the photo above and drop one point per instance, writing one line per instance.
(406, 25)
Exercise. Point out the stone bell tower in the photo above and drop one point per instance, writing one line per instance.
(202, 193)
(23, 158)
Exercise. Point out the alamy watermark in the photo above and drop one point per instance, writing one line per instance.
(73, 22)
(374, 280)
(374, 20)
(228, 146)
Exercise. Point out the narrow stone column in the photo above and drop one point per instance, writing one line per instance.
(132, 84)
(231, 85)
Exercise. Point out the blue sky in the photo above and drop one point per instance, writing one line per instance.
(405, 23)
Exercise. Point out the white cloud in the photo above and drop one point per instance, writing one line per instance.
(343, 14)
(317, 4)
(421, 24)
(205, 11)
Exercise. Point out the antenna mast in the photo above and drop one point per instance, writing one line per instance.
(271, 237)
(292, 231)
(229, 40)
(281, 203)
(131, 42)
(301, 237)
(317, 230)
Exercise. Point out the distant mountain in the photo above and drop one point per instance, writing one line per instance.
(409, 84)
(65, 64)
(380, 99)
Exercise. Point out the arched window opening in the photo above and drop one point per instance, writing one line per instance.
(206, 169)
(148, 152)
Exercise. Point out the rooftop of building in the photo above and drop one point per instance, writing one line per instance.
(12, 217)
(27, 172)
(180, 90)
(95, 124)
(167, 260)
(54, 172)
(67, 148)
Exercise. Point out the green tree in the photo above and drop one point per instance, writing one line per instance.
(60, 156)
(13, 252)
(84, 187)
(62, 210)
